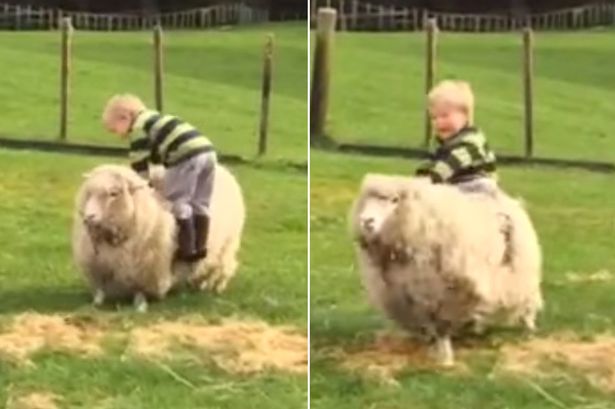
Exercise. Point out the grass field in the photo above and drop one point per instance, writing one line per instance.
(378, 79)
(79, 357)
(212, 79)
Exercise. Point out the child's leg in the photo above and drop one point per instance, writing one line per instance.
(179, 185)
(201, 202)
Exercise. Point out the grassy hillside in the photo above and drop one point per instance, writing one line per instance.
(212, 79)
(359, 359)
(379, 79)
(245, 348)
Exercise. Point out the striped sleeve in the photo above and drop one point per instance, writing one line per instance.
(141, 145)
(438, 171)
(446, 166)
(140, 154)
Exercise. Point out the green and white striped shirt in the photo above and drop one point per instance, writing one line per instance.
(164, 139)
(463, 157)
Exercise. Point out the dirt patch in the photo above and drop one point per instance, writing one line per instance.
(30, 333)
(235, 346)
(597, 277)
(387, 356)
(594, 359)
(34, 400)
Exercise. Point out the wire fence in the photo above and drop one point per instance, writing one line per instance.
(18, 17)
(361, 15)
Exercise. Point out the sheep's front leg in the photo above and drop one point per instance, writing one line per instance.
(443, 351)
(529, 322)
(99, 298)
(140, 303)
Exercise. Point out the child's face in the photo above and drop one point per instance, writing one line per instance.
(447, 119)
(119, 124)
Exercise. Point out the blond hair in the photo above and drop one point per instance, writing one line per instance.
(122, 104)
(456, 93)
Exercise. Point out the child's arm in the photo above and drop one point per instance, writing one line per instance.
(140, 156)
(444, 166)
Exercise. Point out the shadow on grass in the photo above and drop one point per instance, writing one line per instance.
(43, 299)
(50, 300)
(50, 146)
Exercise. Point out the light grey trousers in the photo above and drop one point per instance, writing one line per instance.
(189, 185)
(480, 185)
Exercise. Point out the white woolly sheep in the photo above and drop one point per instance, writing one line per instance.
(124, 237)
(437, 261)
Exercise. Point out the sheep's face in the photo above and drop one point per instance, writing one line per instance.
(379, 198)
(107, 202)
(376, 209)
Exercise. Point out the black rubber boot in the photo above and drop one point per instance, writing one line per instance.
(201, 233)
(185, 240)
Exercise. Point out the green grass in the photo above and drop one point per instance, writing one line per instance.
(36, 273)
(212, 79)
(379, 78)
(377, 99)
(575, 218)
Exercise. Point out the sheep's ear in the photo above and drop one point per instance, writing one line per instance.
(133, 186)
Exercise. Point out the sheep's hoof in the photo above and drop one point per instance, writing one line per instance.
(529, 323)
(140, 303)
(220, 285)
(443, 352)
(478, 327)
(99, 298)
(203, 285)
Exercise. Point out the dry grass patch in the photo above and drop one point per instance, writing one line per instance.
(596, 277)
(235, 346)
(30, 332)
(593, 359)
(34, 400)
(388, 355)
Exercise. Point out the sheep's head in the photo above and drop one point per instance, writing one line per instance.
(106, 201)
(378, 199)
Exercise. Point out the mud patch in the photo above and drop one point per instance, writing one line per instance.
(593, 359)
(30, 333)
(235, 346)
(388, 355)
(34, 400)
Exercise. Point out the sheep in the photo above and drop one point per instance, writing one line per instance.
(124, 237)
(228, 214)
(436, 261)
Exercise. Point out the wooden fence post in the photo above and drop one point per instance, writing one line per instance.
(406, 17)
(321, 74)
(266, 92)
(528, 75)
(430, 70)
(158, 66)
(355, 13)
(67, 33)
